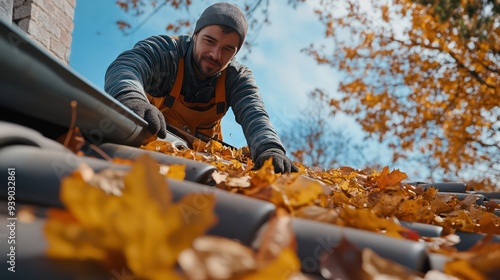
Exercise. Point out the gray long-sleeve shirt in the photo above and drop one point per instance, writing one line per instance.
(151, 66)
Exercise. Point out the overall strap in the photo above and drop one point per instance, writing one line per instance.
(220, 93)
(176, 90)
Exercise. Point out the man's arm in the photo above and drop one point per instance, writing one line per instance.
(148, 67)
(251, 114)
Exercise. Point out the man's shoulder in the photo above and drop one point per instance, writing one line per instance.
(166, 42)
(237, 68)
(181, 40)
(238, 76)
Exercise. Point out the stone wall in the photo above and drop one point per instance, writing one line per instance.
(48, 22)
(6, 10)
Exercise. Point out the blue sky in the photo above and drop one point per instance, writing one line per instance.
(284, 74)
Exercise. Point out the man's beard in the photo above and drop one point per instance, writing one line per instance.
(197, 62)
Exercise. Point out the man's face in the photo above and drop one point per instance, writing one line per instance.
(213, 50)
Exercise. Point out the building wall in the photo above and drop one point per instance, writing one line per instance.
(48, 22)
(6, 9)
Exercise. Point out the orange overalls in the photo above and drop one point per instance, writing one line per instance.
(180, 114)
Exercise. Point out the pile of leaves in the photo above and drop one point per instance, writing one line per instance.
(130, 220)
(342, 195)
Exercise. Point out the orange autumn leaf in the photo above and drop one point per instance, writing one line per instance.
(62, 232)
(213, 257)
(174, 171)
(278, 236)
(345, 186)
(122, 161)
(481, 261)
(319, 214)
(285, 266)
(73, 140)
(378, 267)
(160, 146)
(199, 146)
(344, 261)
(268, 193)
(122, 5)
(276, 257)
(487, 257)
(390, 179)
(218, 258)
(489, 223)
(299, 191)
(214, 146)
(339, 198)
(463, 270)
(367, 220)
(122, 25)
(265, 175)
(135, 217)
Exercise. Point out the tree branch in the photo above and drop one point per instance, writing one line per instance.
(460, 64)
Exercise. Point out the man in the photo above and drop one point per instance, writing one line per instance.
(189, 82)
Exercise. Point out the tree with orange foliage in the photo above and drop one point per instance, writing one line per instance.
(421, 75)
(415, 79)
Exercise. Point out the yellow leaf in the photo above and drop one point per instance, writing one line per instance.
(160, 146)
(463, 270)
(140, 222)
(318, 213)
(174, 171)
(265, 175)
(68, 238)
(277, 236)
(199, 146)
(386, 179)
(283, 267)
(367, 220)
(213, 257)
(378, 267)
(214, 146)
(302, 191)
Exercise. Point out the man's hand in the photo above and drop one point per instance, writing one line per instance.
(156, 121)
(282, 164)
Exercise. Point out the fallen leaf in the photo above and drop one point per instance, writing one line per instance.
(463, 270)
(285, 266)
(347, 262)
(277, 236)
(380, 268)
(265, 175)
(343, 262)
(213, 257)
(300, 191)
(174, 171)
(319, 214)
(367, 220)
(390, 179)
(68, 239)
(142, 223)
(238, 182)
(73, 140)
(373, 201)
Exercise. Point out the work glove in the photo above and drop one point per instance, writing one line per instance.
(156, 121)
(282, 164)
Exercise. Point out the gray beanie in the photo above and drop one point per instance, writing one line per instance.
(224, 14)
